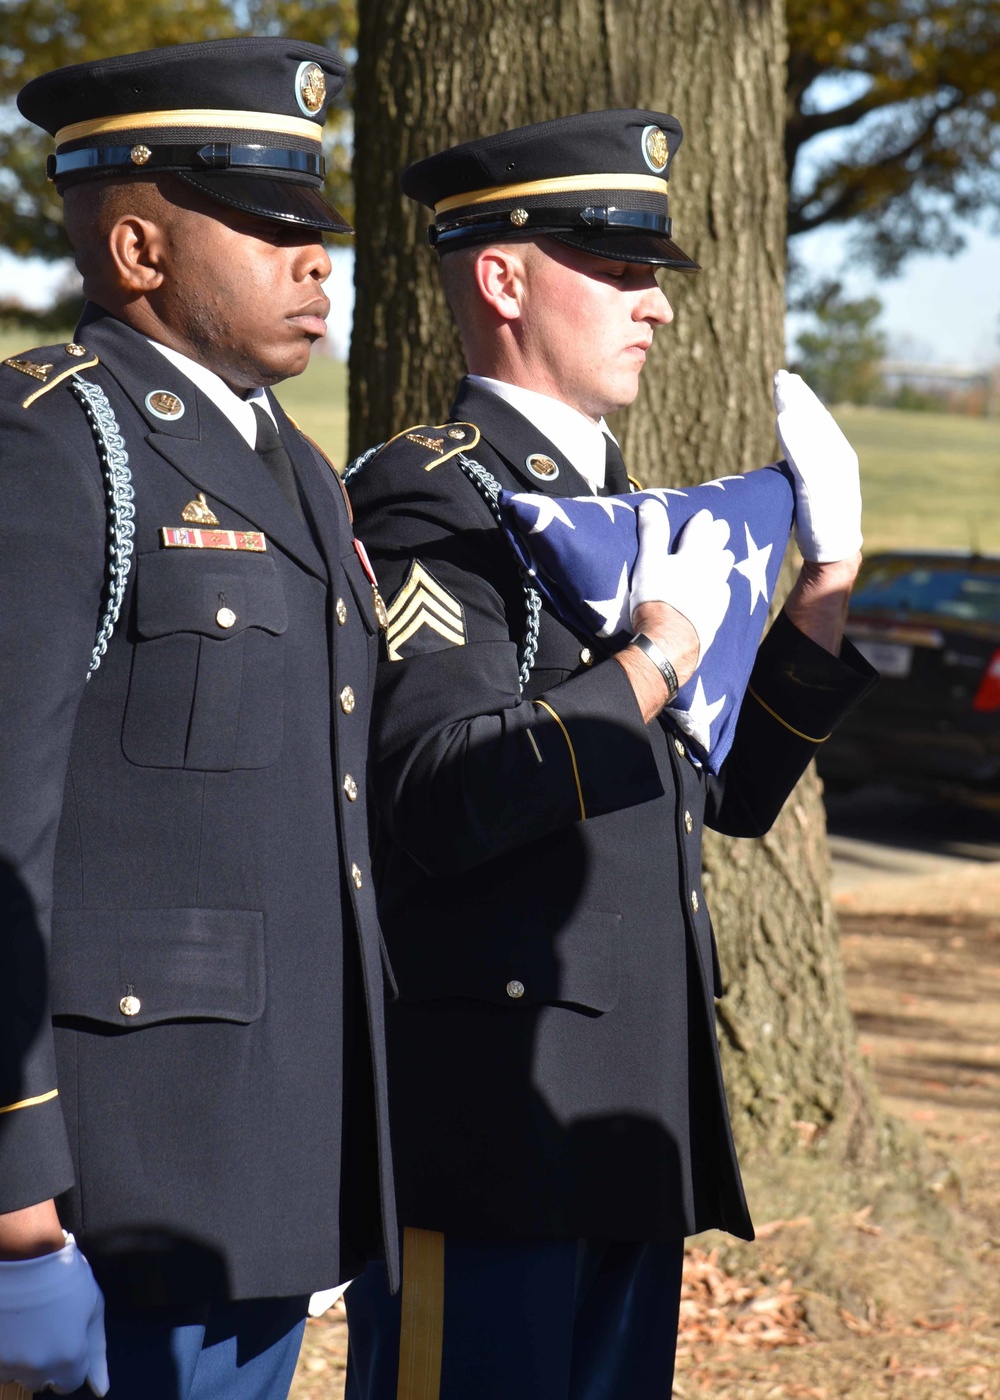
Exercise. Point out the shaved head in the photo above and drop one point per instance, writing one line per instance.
(92, 209)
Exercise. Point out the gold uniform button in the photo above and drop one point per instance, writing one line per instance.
(341, 611)
(347, 701)
(130, 1006)
(688, 823)
(357, 877)
(75, 350)
(350, 787)
(587, 656)
(515, 989)
(225, 617)
(679, 747)
(695, 903)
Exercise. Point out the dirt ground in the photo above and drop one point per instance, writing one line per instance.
(880, 1300)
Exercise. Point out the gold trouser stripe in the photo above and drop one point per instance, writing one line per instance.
(790, 727)
(572, 755)
(30, 1103)
(421, 1325)
(565, 184)
(195, 117)
(74, 369)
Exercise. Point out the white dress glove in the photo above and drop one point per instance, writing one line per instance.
(694, 580)
(825, 467)
(52, 1323)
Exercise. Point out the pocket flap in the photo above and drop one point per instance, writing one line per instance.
(469, 953)
(188, 590)
(136, 967)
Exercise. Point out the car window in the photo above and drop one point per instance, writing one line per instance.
(930, 588)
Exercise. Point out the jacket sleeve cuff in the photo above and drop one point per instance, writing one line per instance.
(593, 727)
(803, 687)
(35, 1162)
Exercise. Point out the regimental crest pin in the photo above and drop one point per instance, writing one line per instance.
(163, 404)
(541, 466)
(655, 149)
(199, 512)
(423, 617)
(310, 88)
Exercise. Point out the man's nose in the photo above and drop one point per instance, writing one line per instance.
(656, 308)
(313, 261)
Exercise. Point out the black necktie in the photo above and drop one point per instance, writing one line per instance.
(616, 482)
(270, 450)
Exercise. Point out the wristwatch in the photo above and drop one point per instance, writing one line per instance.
(660, 661)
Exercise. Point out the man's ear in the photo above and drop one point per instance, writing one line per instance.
(138, 253)
(500, 280)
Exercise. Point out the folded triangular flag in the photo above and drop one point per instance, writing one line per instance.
(580, 552)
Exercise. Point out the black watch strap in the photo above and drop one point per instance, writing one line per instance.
(659, 660)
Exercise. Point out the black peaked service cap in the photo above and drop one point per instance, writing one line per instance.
(596, 181)
(239, 119)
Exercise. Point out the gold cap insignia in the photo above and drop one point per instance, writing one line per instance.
(139, 155)
(199, 512)
(310, 88)
(655, 150)
(163, 404)
(41, 372)
(519, 217)
(541, 466)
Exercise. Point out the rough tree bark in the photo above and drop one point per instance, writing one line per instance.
(434, 72)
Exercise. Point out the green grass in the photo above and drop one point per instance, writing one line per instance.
(317, 400)
(929, 479)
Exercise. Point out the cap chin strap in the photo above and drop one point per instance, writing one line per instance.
(591, 219)
(215, 155)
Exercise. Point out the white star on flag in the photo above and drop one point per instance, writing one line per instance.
(754, 569)
(548, 509)
(697, 721)
(612, 608)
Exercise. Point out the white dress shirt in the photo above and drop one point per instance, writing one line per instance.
(577, 438)
(237, 410)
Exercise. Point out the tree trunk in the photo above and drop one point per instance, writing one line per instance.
(435, 72)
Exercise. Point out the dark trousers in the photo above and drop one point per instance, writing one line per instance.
(551, 1320)
(223, 1351)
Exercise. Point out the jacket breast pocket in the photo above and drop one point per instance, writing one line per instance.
(207, 684)
(130, 968)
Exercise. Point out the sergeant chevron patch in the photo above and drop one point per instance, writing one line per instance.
(423, 617)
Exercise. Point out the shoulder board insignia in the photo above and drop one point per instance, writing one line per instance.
(50, 365)
(423, 617)
(444, 441)
(41, 372)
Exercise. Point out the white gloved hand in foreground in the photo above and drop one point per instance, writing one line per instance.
(52, 1323)
(825, 467)
(694, 579)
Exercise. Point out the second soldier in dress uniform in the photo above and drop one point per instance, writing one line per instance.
(559, 1120)
(191, 1056)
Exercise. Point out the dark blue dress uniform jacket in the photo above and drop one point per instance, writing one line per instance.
(553, 1066)
(179, 831)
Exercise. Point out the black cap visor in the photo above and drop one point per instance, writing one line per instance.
(652, 249)
(282, 200)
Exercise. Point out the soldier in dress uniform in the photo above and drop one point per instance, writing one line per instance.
(192, 1078)
(559, 1120)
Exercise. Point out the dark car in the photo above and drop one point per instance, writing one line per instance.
(929, 622)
